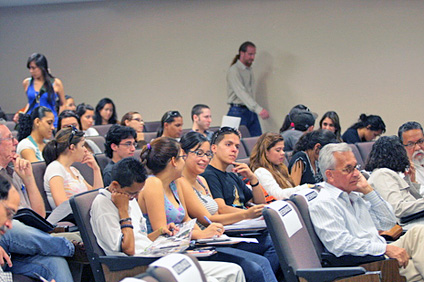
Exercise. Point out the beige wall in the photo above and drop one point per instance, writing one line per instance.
(153, 56)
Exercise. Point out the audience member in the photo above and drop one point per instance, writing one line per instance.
(303, 164)
(42, 88)
(69, 118)
(86, 114)
(69, 103)
(105, 112)
(411, 136)
(202, 119)
(241, 90)
(330, 121)
(33, 129)
(25, 250)
(119, 225)
(135, 121)
(287, 123)
(348, 213)
(120, 143)
(201, 205)
(267, 162)
(61, 179)
(387, 160)
(366, 129)
(171, 125)
(303, 121)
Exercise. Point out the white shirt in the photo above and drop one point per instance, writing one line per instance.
(271, 186)
(105, 223)
(348, 224)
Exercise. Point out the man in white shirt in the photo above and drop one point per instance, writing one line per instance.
(241, 90)
(202, 119)
(348, 213)
(411, 136)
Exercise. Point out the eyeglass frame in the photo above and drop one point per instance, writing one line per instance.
(411, 145)
(128, 144)
(349, 170)
(74, 131)
(8, 138)
(139, 120)
(172, 114)
(209, 154)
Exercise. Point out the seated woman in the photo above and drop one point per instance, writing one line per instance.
(70, 118)
(86, 114)
(303, 165)
(105, 112)
(393, 177)
(171, 125)
(201, 205)
(134, 120)
(33, 130)
(330, 121)
(267, 162)
(366, 129)
(61, 179)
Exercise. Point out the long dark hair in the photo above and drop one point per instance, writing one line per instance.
(26, 121)
(157, 154)
(336, 121)
(41, 61)
(98, 118)
(310, 139)
(388, 152)
(64, 138)
(192, 140)
(375, 122)
(242, 48)
(68, 114)
(168, 117)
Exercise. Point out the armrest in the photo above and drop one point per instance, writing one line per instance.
(411, 217)
(329, 273)
(116, 263)
(330, 260)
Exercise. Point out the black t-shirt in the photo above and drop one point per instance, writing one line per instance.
(308, 175)
(226, 185)
(351, 136)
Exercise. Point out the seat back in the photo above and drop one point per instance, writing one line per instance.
(102, 160)
(38, 169)
(99, 140)
(151, 126)
(357, 155)
(249, 143)
(148, 136)
(10, 124)
(365, 149)
(86, 172)
(102, 129)
(291, 240)
(81, 206)
(244, 131)
(242, 152)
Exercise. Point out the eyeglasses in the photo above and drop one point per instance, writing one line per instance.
(10, 213)
(139, 120)
(171, 114)
(201, 154)
(8, 138)
(412, 144)
(129, 144)
(349, 169)
(74, 130)
(184, 157)
(223, 130)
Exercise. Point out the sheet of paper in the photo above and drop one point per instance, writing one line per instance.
(180, 266)
(230, 121)
(247, 224)
(288, 216)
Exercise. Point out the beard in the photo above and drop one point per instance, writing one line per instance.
(418, 158)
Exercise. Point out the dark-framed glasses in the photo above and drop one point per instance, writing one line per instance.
(350, 169)
(201, 154)
(74, 131)
(129, 144)
(138, 120)
(171, 114)
(412, 144)
(10, 137)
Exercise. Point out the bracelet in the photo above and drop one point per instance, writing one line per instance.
(127, 226)
(254, 185)
(124, 219)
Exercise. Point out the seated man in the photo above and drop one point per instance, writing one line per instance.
(230, 192)
(303, 121)
(348, 213)
(202, 119)
(411, 136)
(32, 249)
(120, 143)
(119, 225)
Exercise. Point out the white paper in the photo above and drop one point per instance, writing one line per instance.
(230, 121)
(181, 266)
(60, 212)
(308, 194)
(247, 224)
(288, 216)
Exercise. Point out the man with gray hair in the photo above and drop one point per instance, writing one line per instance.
(348, 213)
(411, 136)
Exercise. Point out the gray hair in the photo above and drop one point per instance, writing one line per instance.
(326, 158)
(408, 126)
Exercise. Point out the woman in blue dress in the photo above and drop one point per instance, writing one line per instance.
(42, 88)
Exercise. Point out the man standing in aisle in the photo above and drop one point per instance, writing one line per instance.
(241, 94)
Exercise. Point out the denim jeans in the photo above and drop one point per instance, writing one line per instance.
(248, 118)
(36, 251)
(255, 267)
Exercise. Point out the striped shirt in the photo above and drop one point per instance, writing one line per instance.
(348, 224)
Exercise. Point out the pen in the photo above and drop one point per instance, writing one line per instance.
(207, 219)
